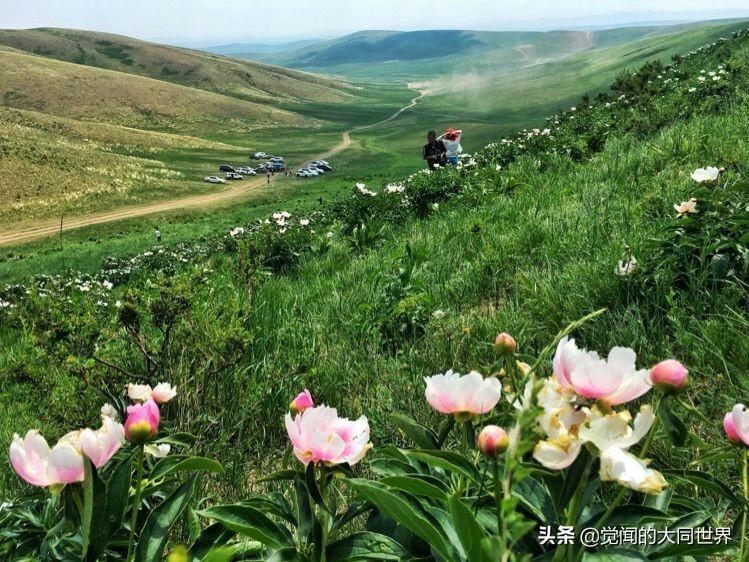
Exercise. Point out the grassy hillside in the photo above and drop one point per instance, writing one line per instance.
(407, 285)
(90, 94)
(196, 69)
(78, 138)
(513, 97)
(423, 54)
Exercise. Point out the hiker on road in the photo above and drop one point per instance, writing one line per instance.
(451, 139)
(434, 151)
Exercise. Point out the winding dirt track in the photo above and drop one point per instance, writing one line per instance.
(236, 190)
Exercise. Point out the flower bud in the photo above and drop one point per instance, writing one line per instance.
(504, 344)
(493, 441)
(301, 402)
(669, 376)
(142, 422)
(730, 429)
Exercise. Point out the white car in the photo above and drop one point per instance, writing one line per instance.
(214, 179)
(304, 173)
(246, 171)
(234, 176)
(259, 155)
(314, 168)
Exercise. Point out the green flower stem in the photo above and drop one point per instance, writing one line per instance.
(323, 514)
(745, 480)
(465, 449)
(573, 511)
(136, 504)
(497, 493)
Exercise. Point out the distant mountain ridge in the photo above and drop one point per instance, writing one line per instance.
(380, 46)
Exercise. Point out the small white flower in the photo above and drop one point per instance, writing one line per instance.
(108, 411)
(701, 175)
(158, 451)
(627, 267)
(139, 392)
(686, 207)
(439, 314)
(304, 222)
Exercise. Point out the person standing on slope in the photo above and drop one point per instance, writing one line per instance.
(434, 151)
(451, 139)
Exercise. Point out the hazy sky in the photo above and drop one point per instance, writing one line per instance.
(224, 21)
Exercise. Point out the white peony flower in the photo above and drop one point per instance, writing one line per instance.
(705, 174)
(627, 267)
(686, 207)
(139, 392)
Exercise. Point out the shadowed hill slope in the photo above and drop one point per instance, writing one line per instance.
(233, 77)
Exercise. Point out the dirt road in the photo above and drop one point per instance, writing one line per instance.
(234, 191)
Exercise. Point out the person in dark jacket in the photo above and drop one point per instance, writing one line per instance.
(434, 151)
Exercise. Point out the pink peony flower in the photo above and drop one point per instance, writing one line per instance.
(101, 445)
(669, 376)
(142, 422)
(730, 429)
(302, 401)
(493, 441)
(463, 396)
(163, 393)
(34, 461)
(320, 436)
(614, 380)
(738, 426)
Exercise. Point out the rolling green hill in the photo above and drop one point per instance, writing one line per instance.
(422, 54)
(236, 78)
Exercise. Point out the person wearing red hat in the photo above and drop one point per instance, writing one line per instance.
(451, 139)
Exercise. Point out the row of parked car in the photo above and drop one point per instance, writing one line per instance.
(314, 168)
(273, 164)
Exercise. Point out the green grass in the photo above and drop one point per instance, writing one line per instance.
(527, 255)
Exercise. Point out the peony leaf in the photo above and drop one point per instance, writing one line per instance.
(403, 512)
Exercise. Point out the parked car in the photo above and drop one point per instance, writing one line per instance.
(276, 159)
(313, 171)
(314, 168)
(225, 168)
(321, 164)
(262, 169)
(304, 173)
(214, 179)
(233, 176)
(245, 170)
(259, 155)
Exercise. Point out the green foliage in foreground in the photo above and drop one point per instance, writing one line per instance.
(361, 318)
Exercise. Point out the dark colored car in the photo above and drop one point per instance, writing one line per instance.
(225, 168)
